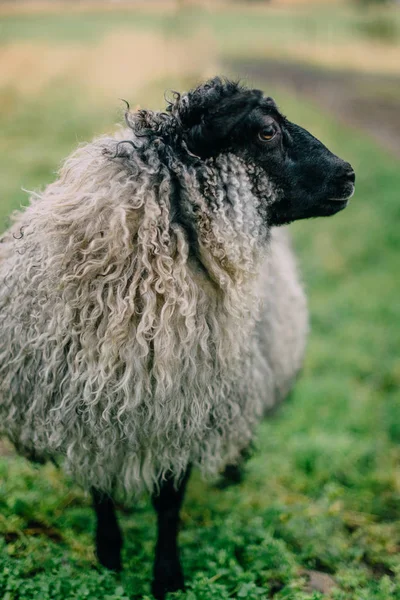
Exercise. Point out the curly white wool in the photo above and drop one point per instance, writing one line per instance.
(119, 349)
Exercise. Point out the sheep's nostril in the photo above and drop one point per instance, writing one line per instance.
(347, 174)
(350, 176)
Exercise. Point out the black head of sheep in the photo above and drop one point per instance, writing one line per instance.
(221, 116)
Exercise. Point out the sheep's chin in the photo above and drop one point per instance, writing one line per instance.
(333, 205)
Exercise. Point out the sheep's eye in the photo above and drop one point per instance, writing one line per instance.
(267, 133)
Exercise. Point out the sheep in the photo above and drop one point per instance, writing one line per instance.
(151, 310)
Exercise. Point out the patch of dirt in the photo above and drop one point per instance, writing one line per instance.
(37, 528)
(366, 101)
(28, 67)
(130, 60)
(319, 582)
(121, 63)
(34, 528)
(6, 448)
(356, 55)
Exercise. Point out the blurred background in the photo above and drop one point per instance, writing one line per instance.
(318, 515)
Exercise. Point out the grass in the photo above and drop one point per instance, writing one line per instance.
(323, 489)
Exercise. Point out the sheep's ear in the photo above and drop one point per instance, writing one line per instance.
(199, 140)
(216, 127)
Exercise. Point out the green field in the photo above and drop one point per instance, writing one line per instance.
(323, 489)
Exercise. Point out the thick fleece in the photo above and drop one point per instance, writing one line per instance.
(149, 316)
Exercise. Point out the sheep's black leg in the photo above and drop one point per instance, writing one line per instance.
(168, 576)
(108, 534)
(235, 473)
(232, 475)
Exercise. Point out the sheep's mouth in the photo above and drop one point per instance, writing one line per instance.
(345, 194)
(332, 206)
(336, 204)
(339, 202)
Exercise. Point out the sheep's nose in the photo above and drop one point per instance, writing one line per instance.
(346, 173)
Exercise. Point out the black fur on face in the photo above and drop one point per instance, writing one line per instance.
(223, 116)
